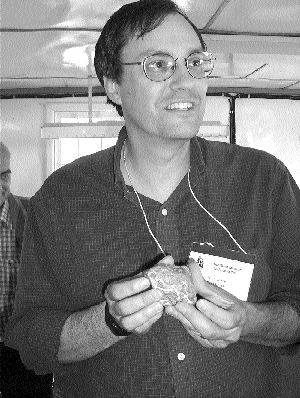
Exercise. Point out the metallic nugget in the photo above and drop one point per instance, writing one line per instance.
(174, 282)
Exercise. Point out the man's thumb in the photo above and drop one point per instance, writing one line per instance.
(168, 260)
(207, 290)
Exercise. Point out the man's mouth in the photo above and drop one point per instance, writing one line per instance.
(180, 106)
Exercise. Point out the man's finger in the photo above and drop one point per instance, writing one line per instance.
(220, 316)
(191, 318)
(116, 291)
(148, 324)
(208, 291)
(172, 311)
(168, 260)
(119, 290)
(139, 318)
(133, 304)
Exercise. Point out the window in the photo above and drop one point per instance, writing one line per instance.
(68, 149)
(72, 134)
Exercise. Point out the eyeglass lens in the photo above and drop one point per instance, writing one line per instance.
(159, 67)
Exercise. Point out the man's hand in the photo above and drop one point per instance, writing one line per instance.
(217, 319)
(133, 305)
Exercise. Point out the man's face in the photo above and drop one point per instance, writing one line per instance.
(145, 103)
(5, 180)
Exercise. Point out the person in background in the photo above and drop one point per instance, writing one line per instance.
(84, 311)
(16, 379)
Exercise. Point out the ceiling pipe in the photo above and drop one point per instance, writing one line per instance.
(217, 13)
(255, 70)
(66, 92)
(290, 85)
(204, 30)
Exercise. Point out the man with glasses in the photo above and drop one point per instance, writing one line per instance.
(16, 379)
(86, 312)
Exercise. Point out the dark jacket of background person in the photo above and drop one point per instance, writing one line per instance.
(18, 209)
(17, 213)
(16, 380)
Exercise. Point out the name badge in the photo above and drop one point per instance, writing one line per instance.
(229, 270)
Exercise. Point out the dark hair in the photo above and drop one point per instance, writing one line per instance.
(132, 19)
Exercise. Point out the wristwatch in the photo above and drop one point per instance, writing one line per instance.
(113, 325)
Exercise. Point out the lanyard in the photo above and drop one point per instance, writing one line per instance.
(195, 198)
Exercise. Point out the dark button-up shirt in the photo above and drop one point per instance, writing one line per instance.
(86, 227)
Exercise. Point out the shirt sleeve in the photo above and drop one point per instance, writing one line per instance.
(40, 305)
(285, 255)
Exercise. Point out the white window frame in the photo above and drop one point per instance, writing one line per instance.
(108, 127)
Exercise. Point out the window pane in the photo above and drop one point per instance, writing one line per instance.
(108, 142)
(89, 145)
(215, 125)
(69, 149)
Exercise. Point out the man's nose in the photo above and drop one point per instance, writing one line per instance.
(181, 74)
(181, 77)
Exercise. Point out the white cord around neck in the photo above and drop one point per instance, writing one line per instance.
(214, 218)
(139, 200)
(194, 196)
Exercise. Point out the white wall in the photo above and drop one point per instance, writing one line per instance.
(273, 126)
(21, 121)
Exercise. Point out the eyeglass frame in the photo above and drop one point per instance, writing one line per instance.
(143, 62)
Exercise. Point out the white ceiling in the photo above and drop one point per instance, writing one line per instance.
(48, 44)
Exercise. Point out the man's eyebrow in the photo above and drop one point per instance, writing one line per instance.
(150, 51)
(197, 50)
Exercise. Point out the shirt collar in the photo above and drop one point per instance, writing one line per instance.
(119, 180)
(4, 214)
(197, 163)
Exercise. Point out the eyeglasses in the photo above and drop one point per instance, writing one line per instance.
(5, 175)
(160, 67)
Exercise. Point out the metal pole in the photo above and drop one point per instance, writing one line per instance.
(232, 126)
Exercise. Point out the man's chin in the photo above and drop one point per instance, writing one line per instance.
(186, 130)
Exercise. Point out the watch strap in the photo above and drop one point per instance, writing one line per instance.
(113, 325)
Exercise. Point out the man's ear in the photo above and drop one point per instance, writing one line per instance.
(112, 90)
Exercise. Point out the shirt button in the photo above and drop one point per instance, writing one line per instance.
(164, 212)
(181, 356)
